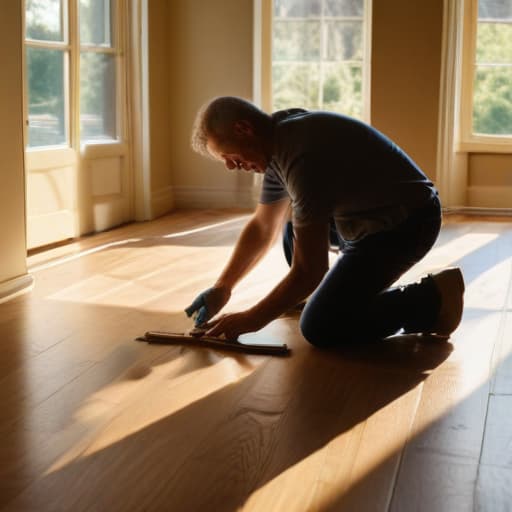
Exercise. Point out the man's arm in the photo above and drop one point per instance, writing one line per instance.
(254, 242)
(310, 263)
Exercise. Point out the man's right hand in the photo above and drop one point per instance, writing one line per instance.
(208, 303)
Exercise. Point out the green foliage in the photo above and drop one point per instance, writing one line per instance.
(492, 97)
(492, 107)
(318, 65)
(494, 42)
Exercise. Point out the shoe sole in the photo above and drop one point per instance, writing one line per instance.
(450, 317)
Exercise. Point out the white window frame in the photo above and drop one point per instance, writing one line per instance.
(72, 48)
(262, 84)
(66, 47)
(470, 142)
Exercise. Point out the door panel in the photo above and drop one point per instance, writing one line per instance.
(105, 187)
(51, 196)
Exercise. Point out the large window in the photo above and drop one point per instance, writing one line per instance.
(319, 53)
(71, 63)
(492, 92)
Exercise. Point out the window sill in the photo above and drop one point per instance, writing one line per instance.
(103, 149)
(485, 146)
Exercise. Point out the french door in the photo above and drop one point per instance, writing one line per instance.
(77, 162)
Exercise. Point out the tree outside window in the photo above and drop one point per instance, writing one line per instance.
(492, 90)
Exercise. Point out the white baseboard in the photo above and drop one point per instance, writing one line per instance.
(201, 197)
(14, 287)
(162, 201)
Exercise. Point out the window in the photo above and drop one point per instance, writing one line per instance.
(319, 55)
(97, 71)
(47, 58)
(486, 99)
(71, 73)
(492, 89)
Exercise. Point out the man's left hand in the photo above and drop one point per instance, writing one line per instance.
(232, 325)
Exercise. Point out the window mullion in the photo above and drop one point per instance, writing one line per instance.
(98, 49)
(49, 45)
(74, 97)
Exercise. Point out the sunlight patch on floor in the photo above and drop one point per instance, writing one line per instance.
(128, 406)
(461, 246)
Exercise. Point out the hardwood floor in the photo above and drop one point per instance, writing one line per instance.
(93, 421)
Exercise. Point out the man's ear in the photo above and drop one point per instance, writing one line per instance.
(243, 127)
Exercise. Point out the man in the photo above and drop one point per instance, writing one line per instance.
(336, 172)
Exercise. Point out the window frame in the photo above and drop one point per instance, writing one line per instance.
(263, 31)
(468, 141)
(65, 47)
(71, 47)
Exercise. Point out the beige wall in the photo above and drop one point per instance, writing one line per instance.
(160, 72)
(490, 180)
(12, 193)
(406, 66)
(211, 55)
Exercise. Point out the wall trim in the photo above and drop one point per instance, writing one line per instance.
(452, 180)
(202, 197)
(475, 210)
(162, 201)
(14, 287)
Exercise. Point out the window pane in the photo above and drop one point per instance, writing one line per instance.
(295, 85)
(344, 40)
(343, 88)
(296, 40)
(297, 8)
(495, 9)
(97, 97)
(494, 43)
(95, 22)
(43, 19)
(46, 107)
(492, 107)
(344, 8)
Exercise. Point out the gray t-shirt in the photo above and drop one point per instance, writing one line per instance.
(334, 166)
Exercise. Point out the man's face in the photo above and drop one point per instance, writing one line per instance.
(244, 153)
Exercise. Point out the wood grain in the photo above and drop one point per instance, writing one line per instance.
(92, 421)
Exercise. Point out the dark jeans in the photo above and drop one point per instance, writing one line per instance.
(354, 301)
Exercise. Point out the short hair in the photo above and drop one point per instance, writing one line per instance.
(217, 118)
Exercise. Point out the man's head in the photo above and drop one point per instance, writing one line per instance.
(235, 131)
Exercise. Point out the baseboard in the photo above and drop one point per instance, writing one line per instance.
(475, 210)
(162, 201)
(14, 287)
(201, 197)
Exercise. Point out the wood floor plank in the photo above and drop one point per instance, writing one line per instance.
(494, 489)
(450, 420)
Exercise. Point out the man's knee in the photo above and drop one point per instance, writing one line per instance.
(322, 332)
(315, 329)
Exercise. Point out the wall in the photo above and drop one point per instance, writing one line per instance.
(160, 115)
(12, 192)
(490, 180)
(210, 55)
(406, 66)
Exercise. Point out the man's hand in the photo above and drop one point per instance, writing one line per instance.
(208, 303)
(232, 325)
